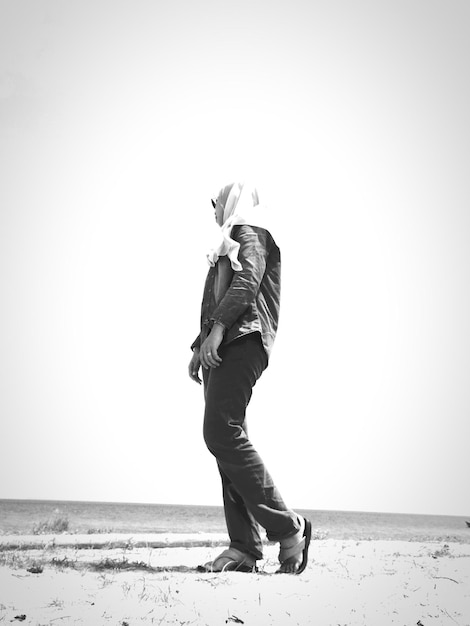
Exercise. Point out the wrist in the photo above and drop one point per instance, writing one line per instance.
(218, 329)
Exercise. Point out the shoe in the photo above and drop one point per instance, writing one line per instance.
(285, 554)
(236, 561)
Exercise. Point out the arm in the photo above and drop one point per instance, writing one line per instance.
(194, 365)
(208, 354)
(196, 343)
(255, 245)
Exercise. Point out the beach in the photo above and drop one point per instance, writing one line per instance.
(124, 580)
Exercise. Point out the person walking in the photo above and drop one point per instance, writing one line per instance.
(239, 320)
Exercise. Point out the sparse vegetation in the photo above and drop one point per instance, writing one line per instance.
(444, 551)
(121, 564)
(14, 559)
(63, 563)
(56, 524)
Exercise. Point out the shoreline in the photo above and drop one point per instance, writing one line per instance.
(163, 540)
(111, 540)
(75, 517)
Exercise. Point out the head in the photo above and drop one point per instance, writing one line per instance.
(227, 201)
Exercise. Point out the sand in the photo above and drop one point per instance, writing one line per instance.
(123, 580)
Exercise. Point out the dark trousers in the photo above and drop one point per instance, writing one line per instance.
(250, 496)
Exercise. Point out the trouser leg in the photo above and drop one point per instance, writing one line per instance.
(249, 488)
(242, 527)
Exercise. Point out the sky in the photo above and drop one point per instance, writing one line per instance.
(119, 120)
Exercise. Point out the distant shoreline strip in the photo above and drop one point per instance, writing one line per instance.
(112, 540)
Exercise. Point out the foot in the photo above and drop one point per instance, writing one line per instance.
(231, 560)
(293, 551)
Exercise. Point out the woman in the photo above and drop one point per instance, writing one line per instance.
(239, 319)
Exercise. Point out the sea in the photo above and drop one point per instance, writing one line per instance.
(22, 516)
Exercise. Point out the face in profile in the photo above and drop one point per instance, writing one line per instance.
(218, 211)
(228, 194)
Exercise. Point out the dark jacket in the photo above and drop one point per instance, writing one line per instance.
(252, 299)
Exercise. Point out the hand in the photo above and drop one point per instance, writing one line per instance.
(194, 365)
(209, 356)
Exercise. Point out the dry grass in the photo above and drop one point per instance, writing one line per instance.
(56, 524)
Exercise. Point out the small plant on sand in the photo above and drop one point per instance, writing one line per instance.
(121, 564)
(56, 524)
(63, 563)
(35, 568)
(98, 531)
(444, 551)
(17, 559)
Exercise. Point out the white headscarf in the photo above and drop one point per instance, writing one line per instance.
(236, 204)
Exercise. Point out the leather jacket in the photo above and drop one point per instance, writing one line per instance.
(251, 297)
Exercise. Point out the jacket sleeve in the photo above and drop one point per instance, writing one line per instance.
(255, 244)
(197, 342)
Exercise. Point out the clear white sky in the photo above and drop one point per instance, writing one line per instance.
(118, 121)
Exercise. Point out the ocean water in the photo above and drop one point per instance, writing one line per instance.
(20, 516)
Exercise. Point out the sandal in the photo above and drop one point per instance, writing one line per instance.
(236, 561)
(287, 554)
